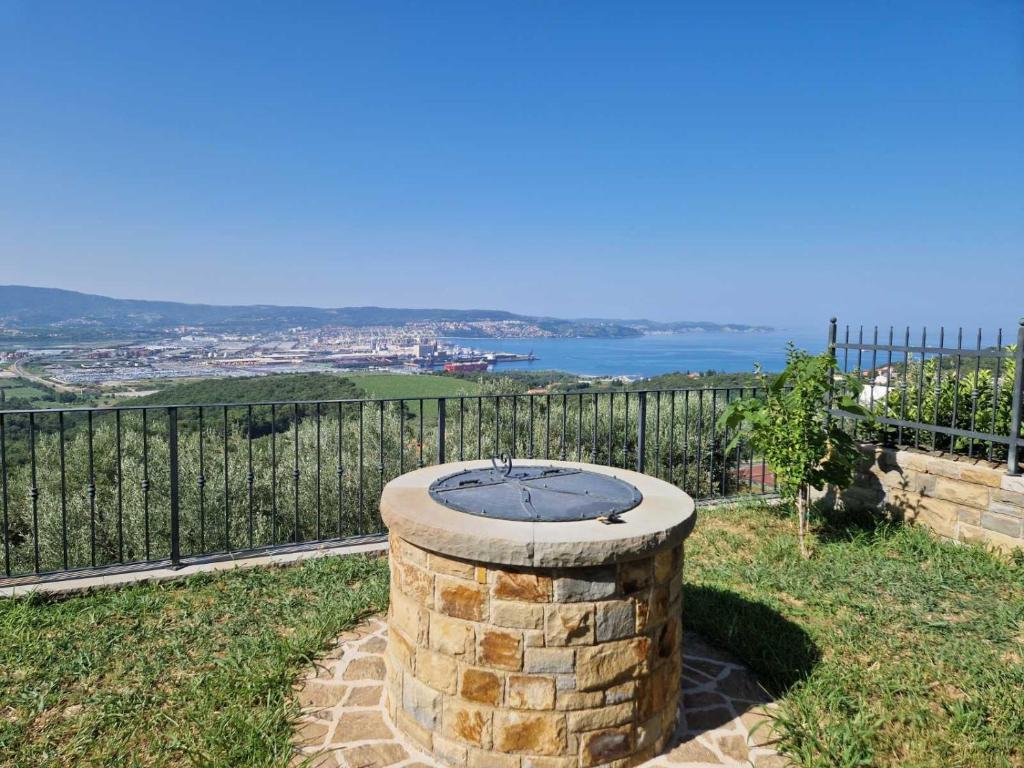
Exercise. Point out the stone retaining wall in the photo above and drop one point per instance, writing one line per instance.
(489, 667)
(959, 498)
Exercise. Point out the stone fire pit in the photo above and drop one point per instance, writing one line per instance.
(518, 642)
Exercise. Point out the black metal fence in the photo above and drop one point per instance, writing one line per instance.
(101, 488)
(950, 392)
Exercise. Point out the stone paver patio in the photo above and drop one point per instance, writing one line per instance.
(345, 725)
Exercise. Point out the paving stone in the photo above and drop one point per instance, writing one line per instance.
(732, 706)
(375, 755)
(365, 668)
(692, 751)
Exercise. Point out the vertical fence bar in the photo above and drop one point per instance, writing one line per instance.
(641, 431)
(34, 490)
(145, 482)
(295, 473)
(273, 474)
(227, 508)
(441, 416)
(462, 429)
(251, 476)
(561, 438)
(319, 454)
(64, 495)
(202, 486)
(381, 466)
(547, 426)
(1013, 455)
(401, 436)
(362, 469)
(172, 446)
(91, 491)
(611, 427)
(120, 488)
(531, 419)
(3, 495)
(341, 469)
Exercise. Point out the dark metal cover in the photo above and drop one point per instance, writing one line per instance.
(536, 493)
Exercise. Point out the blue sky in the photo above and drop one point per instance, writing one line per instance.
(738, 161)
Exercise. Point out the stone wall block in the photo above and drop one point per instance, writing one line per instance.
(451, 567)
(549, 661)
(479, 758)
(1006, 524)
(602, 747)
(602, 717)
(500, 648)
(414, 582)
(452, 637)
(460, 599)
(1012, 483)
(451, 752)
(529, 732)
(982, 476)
(1009, 497)
(616, 619)
(409, 617)
(586, 585)
(531, 692)
(467, 723)
(522, 586)
(517, 615)
(436, 670)
(482, 686)
(602, 666)
(569, 624)
(913, 460)
(572, 700)
(420, 702)
(968, 494)
(635, 575)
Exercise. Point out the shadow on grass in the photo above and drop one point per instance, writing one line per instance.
(774, 648)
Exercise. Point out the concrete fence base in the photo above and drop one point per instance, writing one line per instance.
(959, 498)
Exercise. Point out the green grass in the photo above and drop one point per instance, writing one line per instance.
(890, 647)
(194, 673)
(886, 648)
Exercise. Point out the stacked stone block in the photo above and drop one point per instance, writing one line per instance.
(958, 497)
(501, 667)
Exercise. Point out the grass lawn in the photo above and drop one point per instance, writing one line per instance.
(195, 673)
(889, 648)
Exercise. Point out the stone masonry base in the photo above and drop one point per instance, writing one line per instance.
(959, 498)
(539, 667)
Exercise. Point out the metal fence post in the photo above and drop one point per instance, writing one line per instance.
(1012, 458)
(441, 402)
(641, 432)
(172, 441)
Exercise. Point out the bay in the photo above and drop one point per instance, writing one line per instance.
(645, 356)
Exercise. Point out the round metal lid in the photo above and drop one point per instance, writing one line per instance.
(536, 493)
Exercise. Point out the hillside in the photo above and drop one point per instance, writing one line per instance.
(51, 311)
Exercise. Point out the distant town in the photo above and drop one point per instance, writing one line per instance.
(193, 352)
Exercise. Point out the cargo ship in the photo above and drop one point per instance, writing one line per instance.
(455, 367)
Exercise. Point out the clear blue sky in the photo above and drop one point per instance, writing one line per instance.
(744, 161)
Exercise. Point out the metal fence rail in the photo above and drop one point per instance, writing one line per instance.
(965, 398)
(95, 488)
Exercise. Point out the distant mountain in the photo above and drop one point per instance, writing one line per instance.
(57, 312)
